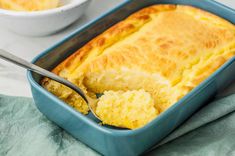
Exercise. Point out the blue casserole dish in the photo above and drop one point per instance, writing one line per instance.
(109, 140)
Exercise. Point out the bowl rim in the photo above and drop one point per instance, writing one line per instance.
(60, 9)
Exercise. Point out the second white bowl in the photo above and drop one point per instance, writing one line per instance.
(41, 23)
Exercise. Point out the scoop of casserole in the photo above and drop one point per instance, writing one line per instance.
(166, 50)
(130, 109)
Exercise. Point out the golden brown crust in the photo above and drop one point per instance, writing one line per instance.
(127, 27)
(179, 45)
(121, 29)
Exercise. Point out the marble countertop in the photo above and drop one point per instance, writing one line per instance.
(13, 79)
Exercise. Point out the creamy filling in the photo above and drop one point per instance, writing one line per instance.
(130, 109)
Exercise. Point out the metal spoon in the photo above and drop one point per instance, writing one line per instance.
(32, 67)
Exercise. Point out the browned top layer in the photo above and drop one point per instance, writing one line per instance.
(172, 46)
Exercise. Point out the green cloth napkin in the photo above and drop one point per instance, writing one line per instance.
(24, 131)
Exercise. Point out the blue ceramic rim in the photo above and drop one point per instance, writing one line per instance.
(115, 132)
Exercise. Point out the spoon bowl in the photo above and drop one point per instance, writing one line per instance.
(32, 67)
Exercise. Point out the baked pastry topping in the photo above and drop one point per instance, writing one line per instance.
(164, 50)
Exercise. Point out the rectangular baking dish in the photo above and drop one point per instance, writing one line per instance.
(113, 141)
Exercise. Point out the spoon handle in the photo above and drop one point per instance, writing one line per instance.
(27, 65)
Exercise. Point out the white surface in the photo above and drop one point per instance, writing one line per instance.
(41, 23)
(13, 79)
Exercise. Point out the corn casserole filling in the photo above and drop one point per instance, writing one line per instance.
(28, 5)
(136, 108)
(146, 63)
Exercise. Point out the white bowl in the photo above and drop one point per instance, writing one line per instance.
(41, 23)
